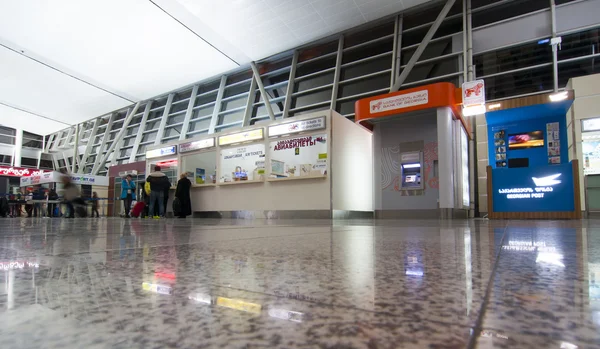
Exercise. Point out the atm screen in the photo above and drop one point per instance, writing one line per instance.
(411, 179)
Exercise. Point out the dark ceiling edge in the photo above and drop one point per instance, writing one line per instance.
(65, 73)
(193, 32)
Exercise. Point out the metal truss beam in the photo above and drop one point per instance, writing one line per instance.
(140, 134)
(89, 146)
(111, 119)
(263, 93)
(76, 148)
(337, 73)
(188, 113)
(117, 139)
(397, 49)
(250, 103)
(217, 107)
(163, 121)
(56, 141)
(290, 88)
(415, 57)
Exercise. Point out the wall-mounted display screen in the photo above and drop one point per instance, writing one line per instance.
(299, 157)
(526, 140)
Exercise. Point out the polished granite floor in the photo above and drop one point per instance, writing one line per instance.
(114, 283)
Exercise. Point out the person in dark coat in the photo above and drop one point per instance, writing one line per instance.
(183, 194)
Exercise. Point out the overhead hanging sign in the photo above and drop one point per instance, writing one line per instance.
(473, 93)
(399, 102)
(44, 178)
(590, 124)
(196, 145)
(160, 152)
(19, 171)
(297, 126)
(251, 135)
(89, 180)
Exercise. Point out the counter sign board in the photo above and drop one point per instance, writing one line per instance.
(160, 152)
(196, 145)
(399, 102)
(540, 189)
(297, 126)
(251, 135)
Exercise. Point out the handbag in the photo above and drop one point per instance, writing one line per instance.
(177, 206)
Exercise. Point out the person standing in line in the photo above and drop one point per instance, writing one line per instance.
(182, 193)
(127, 193)
(95, 205)
(158, 184)
(28, 204)
(52, 196)
(167, 189)
(71, 192)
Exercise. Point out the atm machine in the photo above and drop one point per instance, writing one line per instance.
(411, 167)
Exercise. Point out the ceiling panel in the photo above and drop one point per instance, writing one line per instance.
(15, 118)
(256, 27)
(130, 47)
(36, 88)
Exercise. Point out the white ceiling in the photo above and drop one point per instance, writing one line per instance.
(64, 62)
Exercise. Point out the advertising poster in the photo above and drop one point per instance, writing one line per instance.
(200, 176)
(591, 157)
(245, 163)
(304, 156)
(552, 133)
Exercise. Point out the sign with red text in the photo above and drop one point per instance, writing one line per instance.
(19, 171)
(399, 102)
(44, 178)
(299, 157)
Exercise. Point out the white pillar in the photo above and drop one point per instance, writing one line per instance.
(18, 147)
(445, 157)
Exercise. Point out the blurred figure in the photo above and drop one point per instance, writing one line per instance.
(29, 204)
(95, 205)
(71, 192)
(182, 195)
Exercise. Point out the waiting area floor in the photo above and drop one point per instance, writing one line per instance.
(116, 283)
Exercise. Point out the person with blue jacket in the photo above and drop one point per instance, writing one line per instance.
(127, 193)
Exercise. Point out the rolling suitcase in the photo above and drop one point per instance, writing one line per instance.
(138, 209)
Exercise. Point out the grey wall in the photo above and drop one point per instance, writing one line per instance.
(388, 135)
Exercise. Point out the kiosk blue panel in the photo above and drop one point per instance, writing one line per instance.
(538, 189)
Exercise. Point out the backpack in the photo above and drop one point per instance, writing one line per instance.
(147, 188)
(3, 207)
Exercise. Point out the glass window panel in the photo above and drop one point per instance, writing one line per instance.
(580, 44)
(428, 15)
(236, 90)
(528, 81)
(316, 66)
(149, 136)
(449, 26)
(172, 131)
(363, 36)
(316, 81)
(178, 107)
(433, 50)
(368, 51)
(132, 130)
(369, 67)
(507, 10)
(570, 70)
(176, 119)
(312, 98)
(180, 96)
(318, 51)
(202, 166)
(125, 152)
(309, 110)
(209, 98)
(202, 112)
(364, 85)
(433, 69)
(512, 58)
(231, 117)
(235, 103)
(152, 125)
(199, 125)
